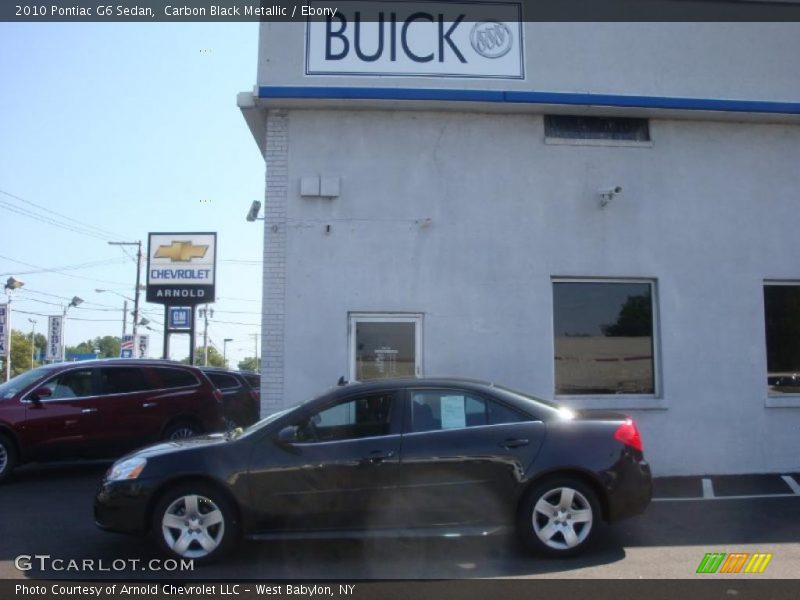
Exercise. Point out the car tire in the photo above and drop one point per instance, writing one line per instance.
(558, 517)
(180, 430)
(195, 521)
(8, 457)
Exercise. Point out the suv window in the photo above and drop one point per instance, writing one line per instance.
(123, 380)
(70, 384)
(222, 381)
(174, 378)
(254, 381)
(433, 410)
(365, 416)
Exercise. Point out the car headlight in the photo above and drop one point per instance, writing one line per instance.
(130, 468)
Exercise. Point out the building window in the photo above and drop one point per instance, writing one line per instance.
(615, 129)
(782, 325)
(604, 337)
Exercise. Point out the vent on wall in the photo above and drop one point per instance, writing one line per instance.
(568, 127)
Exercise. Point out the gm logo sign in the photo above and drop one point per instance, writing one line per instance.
(179, 317)
(735, 562)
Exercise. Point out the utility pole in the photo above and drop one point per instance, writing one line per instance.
(205, 313)
(225, 350)
(138, 244)
(124, 318)
(33, 337)
(11, 285)
(255, 342)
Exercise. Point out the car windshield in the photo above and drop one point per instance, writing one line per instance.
(239, 432)
(15, 384)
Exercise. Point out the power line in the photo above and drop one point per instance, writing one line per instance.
(87, 265)
(27, 264)
(49, 221)
(50, 210)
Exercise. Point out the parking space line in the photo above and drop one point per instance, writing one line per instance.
(795, 487)
(706, 498)
(708, 488)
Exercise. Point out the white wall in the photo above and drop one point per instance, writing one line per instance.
(709, 211)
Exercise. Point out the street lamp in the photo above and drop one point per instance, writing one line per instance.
(76, 301)
(33, 338)
(11, 285)
(225, 350)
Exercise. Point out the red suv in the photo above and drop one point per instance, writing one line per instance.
(103, 408)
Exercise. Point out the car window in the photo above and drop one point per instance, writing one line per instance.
(365, 416)
(123, 380)
(253, 380)
(70, 384)
(174, 378)
(433, 410)
(222, 381)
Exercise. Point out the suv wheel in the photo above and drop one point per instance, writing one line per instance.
(195, 521)
(181, 430)
(8, 457)
(558, 517)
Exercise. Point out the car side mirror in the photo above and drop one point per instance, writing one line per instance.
(39, 393)
(287, 435)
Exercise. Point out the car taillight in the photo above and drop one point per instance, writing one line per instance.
(218, 395)
(255, 395)
(628, 434)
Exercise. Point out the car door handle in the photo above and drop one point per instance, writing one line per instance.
(514, 443)
(88, 411)
(149, 404)
(378, 456)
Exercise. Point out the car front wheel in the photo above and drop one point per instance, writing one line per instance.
(8, 457)
(195, 521)
(558, 517)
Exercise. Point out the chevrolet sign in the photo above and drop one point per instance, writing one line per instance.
(180, 268)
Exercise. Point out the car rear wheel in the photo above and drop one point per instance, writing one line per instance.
(195, 521)
(181, 430)
(8, 457)
(558, 517)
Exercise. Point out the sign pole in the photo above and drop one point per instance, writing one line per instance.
(191, 335)
(166, 332)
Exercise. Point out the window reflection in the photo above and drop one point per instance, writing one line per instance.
(603, 337)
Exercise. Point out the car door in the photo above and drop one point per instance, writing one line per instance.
(339, 470)
(71, 421)
(137, 418)
(463, 457)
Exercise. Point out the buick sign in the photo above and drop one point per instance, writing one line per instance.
(418, 39)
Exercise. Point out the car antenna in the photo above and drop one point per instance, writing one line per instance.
(342, 381)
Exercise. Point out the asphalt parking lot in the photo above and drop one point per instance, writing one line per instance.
(47, 510)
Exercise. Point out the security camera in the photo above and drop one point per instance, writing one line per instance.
(607, 195)
(252, 214)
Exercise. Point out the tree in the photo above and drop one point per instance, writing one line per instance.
(214, 357)
(107, 346)
(251, 363)
(20, 353)
(635, 318)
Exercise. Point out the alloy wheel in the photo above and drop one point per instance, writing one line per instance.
(193, 526)
(562, 518)
(182, 433)
(3, 458)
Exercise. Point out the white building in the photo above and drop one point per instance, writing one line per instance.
(449, 206)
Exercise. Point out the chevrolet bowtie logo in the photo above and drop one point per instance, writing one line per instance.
(181, 251)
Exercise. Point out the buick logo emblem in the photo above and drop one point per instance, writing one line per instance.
(491, 39)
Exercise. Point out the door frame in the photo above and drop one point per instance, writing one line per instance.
(383, 317)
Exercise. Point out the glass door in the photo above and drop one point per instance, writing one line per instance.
(384, 346)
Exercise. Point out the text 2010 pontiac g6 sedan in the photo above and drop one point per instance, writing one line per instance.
(386, 458)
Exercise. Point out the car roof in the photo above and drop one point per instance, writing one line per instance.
(134, 362)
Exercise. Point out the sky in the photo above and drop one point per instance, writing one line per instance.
(115, 130)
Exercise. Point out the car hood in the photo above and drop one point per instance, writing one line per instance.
(172, 446)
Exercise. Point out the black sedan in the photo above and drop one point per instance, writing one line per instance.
(418, 457)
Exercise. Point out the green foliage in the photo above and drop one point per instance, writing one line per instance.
(107, 347)
(251, 363)
(214, 358)
(635, 318)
